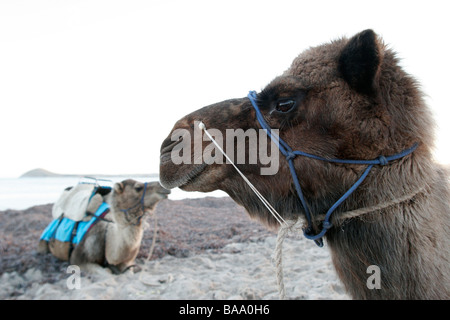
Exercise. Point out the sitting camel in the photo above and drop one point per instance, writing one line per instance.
(115, 238)
(359, 172)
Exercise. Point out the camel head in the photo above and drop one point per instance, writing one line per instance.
(347, 99)
(130, 199)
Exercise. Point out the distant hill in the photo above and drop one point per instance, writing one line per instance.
(42, 173)
(39, 172)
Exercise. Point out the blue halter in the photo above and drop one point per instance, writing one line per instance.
(140, 203)
(290, 156)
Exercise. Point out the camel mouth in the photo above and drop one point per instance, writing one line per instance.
(181, 176)
(163, 193)
(173, 175)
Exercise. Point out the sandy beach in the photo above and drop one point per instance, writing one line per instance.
(205, 249)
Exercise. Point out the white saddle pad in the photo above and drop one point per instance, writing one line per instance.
(74, 202)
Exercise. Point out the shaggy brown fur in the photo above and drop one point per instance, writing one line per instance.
(352, 101)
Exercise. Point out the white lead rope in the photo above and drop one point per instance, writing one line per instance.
(285, 227)
(269, 207)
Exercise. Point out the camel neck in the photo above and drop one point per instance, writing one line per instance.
(375, 239)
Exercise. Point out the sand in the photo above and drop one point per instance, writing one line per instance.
(206, 249)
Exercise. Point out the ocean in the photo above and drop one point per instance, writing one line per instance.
(22, 193)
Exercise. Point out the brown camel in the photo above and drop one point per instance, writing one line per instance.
(114, 241)
(348, 99)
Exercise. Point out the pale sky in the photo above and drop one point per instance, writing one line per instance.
(95, 86)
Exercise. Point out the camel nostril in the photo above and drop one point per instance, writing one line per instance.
(168, 144)
(166, 149)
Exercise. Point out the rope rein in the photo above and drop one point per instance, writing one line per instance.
(293, 225)
(361, 211)
(152, 247)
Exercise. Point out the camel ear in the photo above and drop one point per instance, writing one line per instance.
(118, 187)
(360, 60)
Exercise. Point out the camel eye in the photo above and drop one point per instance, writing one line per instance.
(138, 188)
(285, 106)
